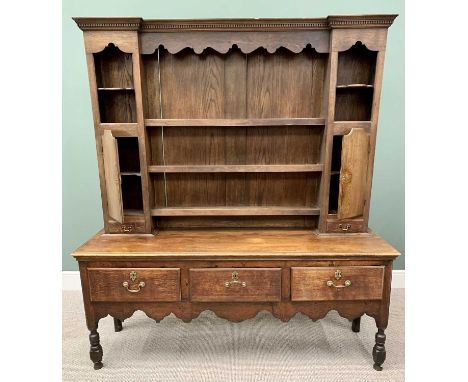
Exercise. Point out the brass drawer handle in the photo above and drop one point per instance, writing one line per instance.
(126, 227)
(141, 284)
(235, 280)
(347, 283)
(338, 275)
(344, 227)
(133, 276)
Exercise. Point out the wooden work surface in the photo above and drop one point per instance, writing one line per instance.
(237, 244)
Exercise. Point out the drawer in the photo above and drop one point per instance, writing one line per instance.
(342, 283)
(235, 284)
(134, 284)
(129, 227)
(345, 226)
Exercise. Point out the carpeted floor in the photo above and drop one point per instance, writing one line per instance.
(213, 349)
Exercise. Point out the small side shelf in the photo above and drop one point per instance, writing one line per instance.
(234, 211)
(355, 86)
(115, 89)
(129, 173)
(237, 168)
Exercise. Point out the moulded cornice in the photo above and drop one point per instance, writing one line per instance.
(232, 25)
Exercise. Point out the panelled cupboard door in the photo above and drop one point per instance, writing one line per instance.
(353, 174)
(112, 176)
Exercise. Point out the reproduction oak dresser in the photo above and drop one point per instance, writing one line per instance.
(236, 160)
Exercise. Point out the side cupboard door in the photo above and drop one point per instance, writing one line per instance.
(353, 174)
(112, 176)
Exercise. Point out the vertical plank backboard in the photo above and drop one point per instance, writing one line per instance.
(112, 175)
(353, 174)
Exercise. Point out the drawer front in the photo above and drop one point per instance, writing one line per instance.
(134, 284)
(127, 227)
(345, 226)
(235, 284)
(342, 283)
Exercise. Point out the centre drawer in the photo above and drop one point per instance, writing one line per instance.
(340, 283)
(235, 284)
(134, 284)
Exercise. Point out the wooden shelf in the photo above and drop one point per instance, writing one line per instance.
(116, 89)
(132, 212)
(238, 168)
(121, 129)
(344, 127)
(236, 122)
(355, 86)
(234, 211)
(130, 173)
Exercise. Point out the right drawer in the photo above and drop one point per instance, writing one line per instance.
(341, 283)
(345, 226)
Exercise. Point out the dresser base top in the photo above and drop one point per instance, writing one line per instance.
(236, 244)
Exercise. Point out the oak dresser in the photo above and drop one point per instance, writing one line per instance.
(235, 162)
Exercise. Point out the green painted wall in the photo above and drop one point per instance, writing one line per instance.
(81, 198)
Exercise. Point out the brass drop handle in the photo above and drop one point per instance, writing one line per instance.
(126, 228)
(141, 284)
(344, 227)
(347, 283)
(330, 283)
(133, 276)
(235, 280)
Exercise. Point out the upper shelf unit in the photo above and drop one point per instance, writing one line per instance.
(233, 126)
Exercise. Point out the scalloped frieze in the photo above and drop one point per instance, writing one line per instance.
(246, 42)
(239, 312)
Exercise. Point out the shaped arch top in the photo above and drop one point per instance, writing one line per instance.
(247, 42)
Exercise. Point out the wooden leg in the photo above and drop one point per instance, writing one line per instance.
(95, 352)
(356, 326)
(117, 325)
(379, 353)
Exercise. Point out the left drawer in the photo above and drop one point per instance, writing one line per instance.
(134, 284)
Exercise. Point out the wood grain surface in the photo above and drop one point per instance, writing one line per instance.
(260, 284)
(237, 243)
(310, 283)
(161, 284)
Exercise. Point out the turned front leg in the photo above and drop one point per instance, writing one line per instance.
(95, 352)
(117, 325)
(379, 352)
(356, 325)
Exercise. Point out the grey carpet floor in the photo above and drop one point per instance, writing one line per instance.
(213, 349)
